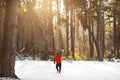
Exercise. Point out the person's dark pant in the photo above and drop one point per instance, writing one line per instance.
(58, 67)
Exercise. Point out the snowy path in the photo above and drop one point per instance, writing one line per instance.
(77, 70)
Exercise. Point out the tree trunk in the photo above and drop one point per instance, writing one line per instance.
(114, 26)
(101, 28)
(67, 30)
(118, 44)
(90, 30)
(98, 33)
(1, 25)
(7, 55)
(51, 26)
(61, 40)
(118, 37)
(72, 29)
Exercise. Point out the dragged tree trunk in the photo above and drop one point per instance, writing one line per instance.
(7, 55)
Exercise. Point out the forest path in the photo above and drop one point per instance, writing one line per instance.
(76, 70)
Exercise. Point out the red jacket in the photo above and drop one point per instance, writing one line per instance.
(57, 58)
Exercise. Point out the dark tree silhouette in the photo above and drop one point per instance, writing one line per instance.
(8, 51)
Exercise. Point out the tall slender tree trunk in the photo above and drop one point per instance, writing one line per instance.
(7, 55)
(67, 30)
(118, 37)
(101, 29)
(1, 25)
(85, 23)
(58, 25)
(60, 29)
(51, 26)
(118, 44)
(72, 28)
(115, 30)
(90, 30)
(61, 40)
(98, 33)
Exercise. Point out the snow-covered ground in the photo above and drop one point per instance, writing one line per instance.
(76, 70)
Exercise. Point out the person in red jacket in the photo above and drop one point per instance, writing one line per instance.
(57, 61)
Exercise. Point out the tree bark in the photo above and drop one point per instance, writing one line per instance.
(90, 30)
(72, 29)
(67, 30)
(61, 40)
(115, 30)
(7, 55)
(118, 37)
(101, 29)
(51, 27)
(1, 24)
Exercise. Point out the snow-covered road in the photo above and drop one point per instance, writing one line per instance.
(76, 70)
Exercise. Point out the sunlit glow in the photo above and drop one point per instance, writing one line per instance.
(54, 6)
(37, 6)
(61, 7)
